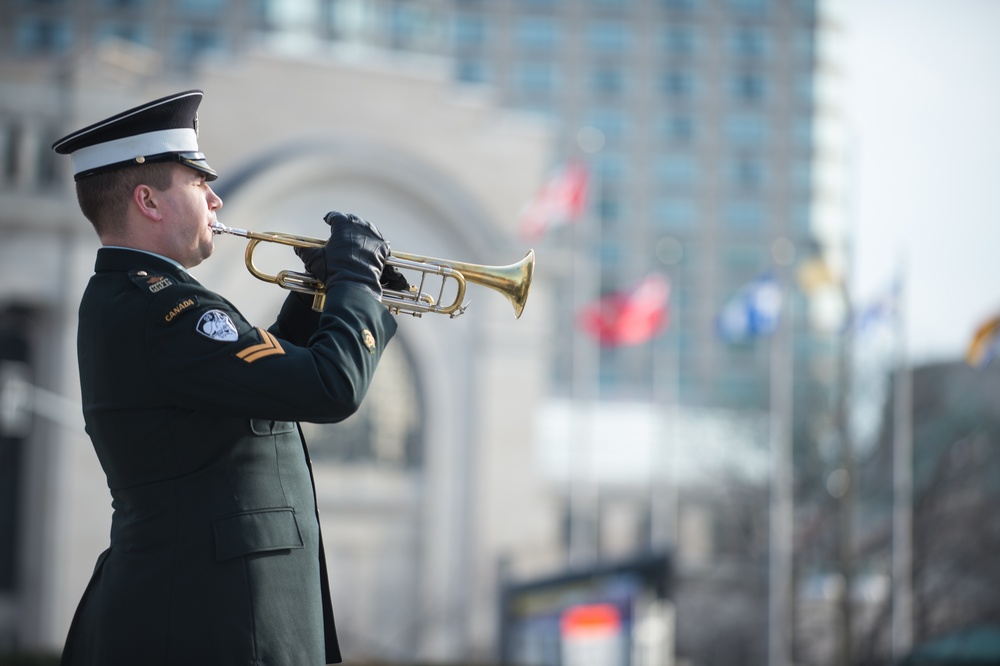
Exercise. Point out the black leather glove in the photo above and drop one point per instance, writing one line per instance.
(356, 252)
(391, 278)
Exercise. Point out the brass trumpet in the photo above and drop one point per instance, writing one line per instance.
(512, 281)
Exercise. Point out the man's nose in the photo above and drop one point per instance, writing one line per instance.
(214, 201)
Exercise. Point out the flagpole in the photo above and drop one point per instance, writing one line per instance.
(666, 395)
(847, 500)
(580, 483)
(780, 551)
(584, 498)
(902, 488)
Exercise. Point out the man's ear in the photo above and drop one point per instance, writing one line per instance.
(147, 201)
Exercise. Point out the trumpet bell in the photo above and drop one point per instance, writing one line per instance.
(512, 281)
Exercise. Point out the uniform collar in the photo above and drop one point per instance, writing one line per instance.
(114, 258)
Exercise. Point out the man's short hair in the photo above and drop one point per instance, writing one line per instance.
(104, 197)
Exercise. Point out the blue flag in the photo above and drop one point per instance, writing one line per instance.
(754, 311)
(879, 312)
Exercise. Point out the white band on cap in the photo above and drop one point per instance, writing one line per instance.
(181, 140)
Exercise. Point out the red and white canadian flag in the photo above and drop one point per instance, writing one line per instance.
(560, 201)
(629, 317)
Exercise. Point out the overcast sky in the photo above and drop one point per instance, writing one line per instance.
(923, 91)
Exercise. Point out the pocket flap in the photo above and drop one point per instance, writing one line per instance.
(256, 531)
(265, 427)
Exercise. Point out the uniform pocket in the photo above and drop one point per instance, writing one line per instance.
(256, 531)
(265, 427)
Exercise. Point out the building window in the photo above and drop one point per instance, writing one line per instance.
(610, 208)
(744, 262)
(676, 214)
(472, 71)
(749, 6)
(747, 173)
(39, 36)
(801, 216)
(125, 4)
(611, 253)
(608, 37)
(748, 88)
(611, 168)
(744, 214)
(746, 129)
(538, 33)
(676, 128)
(806, 7)
(15, 429)
(469, 30)
(803, 132)
(611, 122)
(129, 32)
(676, 169)
(607, 81)
(535, 77)
(193, 42)
(802, 176)
(47, 165)
(749, 43)
(679, 40)
(741, 392)
(805, 89)
(201, 7)
(677, 84)
(804, 45)
(412, 28)
(12, 133)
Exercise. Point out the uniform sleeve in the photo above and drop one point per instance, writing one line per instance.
(296, 321)
(206, 356)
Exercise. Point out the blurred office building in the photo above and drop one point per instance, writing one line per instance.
(491, 452)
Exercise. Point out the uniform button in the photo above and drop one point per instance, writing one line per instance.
(142, 273)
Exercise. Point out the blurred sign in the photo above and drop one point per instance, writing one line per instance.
(584, 617)
(592, 636)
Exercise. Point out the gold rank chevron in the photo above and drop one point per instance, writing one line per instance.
(270, 347)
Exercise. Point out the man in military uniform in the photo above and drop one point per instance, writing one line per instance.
(215, 555)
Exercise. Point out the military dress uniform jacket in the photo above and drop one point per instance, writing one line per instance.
(215, 554)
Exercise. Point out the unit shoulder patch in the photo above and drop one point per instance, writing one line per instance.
(217, 325)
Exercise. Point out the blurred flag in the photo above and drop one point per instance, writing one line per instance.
(754, 311)
(881, 310)
(985, 344)
(629, 317)
(560, 201)
(816, 273)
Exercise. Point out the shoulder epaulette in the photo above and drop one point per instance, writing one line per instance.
(151, 283)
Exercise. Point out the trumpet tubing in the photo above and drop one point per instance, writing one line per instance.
(512, 281)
